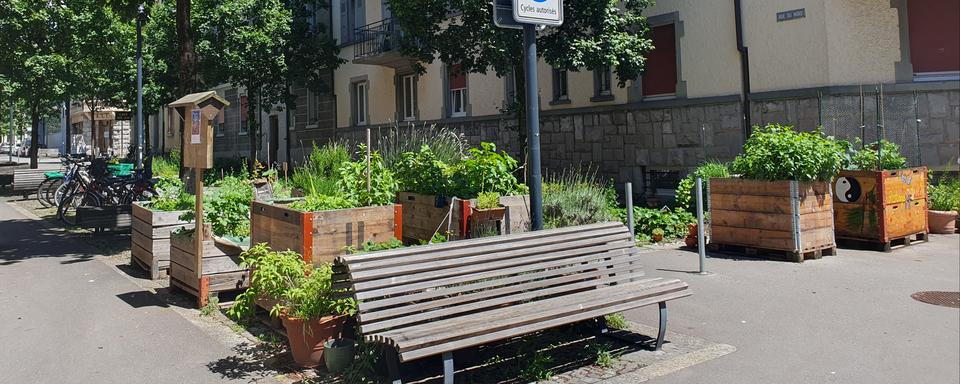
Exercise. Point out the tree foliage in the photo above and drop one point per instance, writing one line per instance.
(594, 34)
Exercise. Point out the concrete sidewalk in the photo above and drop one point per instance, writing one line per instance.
(841, 319)
(66, 317)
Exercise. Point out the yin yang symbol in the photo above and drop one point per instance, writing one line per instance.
(848, 189)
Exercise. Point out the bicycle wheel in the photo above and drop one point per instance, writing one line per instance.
(67, 211)
(44, 187)
(50, 193)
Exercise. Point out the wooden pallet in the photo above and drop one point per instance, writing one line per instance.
(154, 270)
(754, 252)
(225, 298)
(888, 246)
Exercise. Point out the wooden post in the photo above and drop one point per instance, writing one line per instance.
(198, 227)
(369, 202)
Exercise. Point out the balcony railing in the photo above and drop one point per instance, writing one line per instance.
(376, 38)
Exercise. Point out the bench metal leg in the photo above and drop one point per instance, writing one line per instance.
(663, 325)
(448, 368)
(393, 365)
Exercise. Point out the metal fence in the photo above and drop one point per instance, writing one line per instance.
(873, 114)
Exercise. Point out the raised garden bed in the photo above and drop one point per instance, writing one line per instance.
(322, 235)
(221, 271)
(880, 206)
(789, 217)
(424, 214)
(150, 238)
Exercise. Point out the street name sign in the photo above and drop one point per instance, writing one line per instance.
(541, 12)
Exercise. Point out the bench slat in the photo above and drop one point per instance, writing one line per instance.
(468, 244)
(538, 326)
(429, 279)
(440, 268)
(526, 274)
(361, 269)
(577, 285)
(518, 315)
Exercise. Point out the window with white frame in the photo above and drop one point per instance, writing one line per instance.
(602, 81)
(457, 85)
(218, 129)
(561, 92)
(408, 98)
(359, 106)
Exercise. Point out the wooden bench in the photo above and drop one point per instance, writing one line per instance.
(99, 218)
(26, 181)
(437, 299)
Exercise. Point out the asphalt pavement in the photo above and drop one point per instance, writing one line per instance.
(66, 317)
(841, 319)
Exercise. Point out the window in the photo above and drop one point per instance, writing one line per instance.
(660, 75)
(457, 84)
(510, 87)
(359, 104)
(352, 16)
(561, 92)
(602, 90)
(934, 42)
(218, 129)
(408, 98)
(243, 115)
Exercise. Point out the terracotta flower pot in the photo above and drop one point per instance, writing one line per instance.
(306, 337)
(943, 222)
(657, 238)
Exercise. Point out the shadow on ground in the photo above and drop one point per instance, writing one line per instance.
(24, 239)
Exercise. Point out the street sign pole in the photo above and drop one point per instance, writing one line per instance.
(138, 132)
(533, 124)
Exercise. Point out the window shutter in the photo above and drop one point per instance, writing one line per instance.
(458, 79)
(660, 75)
(359, 14)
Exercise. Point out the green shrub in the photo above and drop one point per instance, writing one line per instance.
(486, 170)
(576, 197)
(422, 172)
(171, 196)
(166, 166)
(488, 200)
(353, 181)
(321, 169)
(673, 223)
(944, 195)
(706, 171)
(866, 159)
(229, 207)
(778, 152)
(313, 203)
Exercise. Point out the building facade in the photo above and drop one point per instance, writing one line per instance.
(719, 67)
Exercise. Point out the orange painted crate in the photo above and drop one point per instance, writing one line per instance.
(880, 206)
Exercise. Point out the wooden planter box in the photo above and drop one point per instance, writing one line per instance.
(795, 218)
(113, 217)
(880, 206)
(424, 214)
(221, 267)
(150, 237)
(323, 235)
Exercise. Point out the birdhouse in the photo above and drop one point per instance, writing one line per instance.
(197, 113)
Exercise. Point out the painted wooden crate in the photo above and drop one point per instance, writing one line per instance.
(150, 237)
(220, 267)
(880, 206)
(423, 215)
(787, 216)
(323, 235)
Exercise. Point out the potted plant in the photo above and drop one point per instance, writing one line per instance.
(776, 205)
(878, 199)
(657, 235)
(311, 309)
(691, 239)
(944, 198)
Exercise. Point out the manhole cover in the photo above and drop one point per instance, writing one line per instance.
(943, 299)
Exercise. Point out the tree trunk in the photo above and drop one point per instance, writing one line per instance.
(94, 135)
(253, 127)
(187, 61)
(34, 136)
(68, 137)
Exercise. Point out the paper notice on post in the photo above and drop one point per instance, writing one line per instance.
(195, 127)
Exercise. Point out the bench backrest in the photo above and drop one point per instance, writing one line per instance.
(408, 286)
(28, 179)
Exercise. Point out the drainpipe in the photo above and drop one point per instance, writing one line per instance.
(744, 70)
